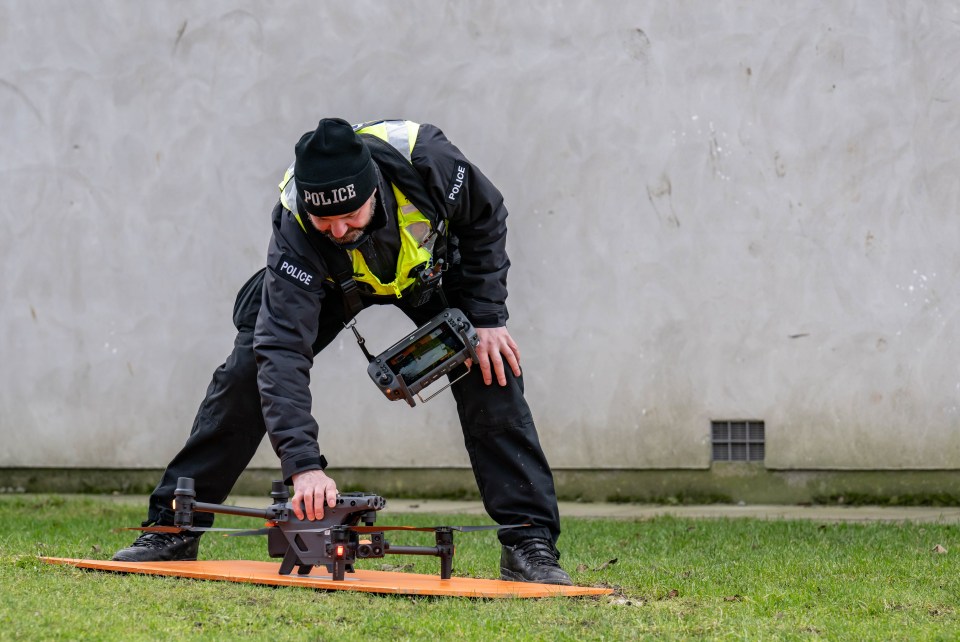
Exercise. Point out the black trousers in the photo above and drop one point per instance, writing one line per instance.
(514, 478)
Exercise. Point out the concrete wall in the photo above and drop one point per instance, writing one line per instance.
(718, 210)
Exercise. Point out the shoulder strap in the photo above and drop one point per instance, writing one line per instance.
(399, 171)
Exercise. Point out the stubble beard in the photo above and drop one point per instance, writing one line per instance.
(353, 235)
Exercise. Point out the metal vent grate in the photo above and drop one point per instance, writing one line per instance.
(737, 440)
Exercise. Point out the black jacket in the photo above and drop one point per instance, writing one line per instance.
(296, 282)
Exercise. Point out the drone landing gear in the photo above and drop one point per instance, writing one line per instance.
(338, 551)
(290, 560)
(337, 570)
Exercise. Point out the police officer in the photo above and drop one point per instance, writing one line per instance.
(350, 197)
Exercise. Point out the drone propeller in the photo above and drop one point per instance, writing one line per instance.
(173, 529)
(380, 529)
(259, 531)
(423, 529)
(428, 529)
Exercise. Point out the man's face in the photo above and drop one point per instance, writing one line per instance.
(346, 228)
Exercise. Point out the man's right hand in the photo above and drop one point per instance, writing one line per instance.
(311, 489)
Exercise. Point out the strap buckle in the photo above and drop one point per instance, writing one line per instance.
(352, 325)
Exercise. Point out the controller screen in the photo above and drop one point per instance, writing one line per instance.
(426, 353)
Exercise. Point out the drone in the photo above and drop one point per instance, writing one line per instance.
(332, 541)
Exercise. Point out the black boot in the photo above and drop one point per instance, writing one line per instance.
(533, 560)
(160, 547)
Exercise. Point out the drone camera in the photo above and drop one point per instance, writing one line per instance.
(372, 548)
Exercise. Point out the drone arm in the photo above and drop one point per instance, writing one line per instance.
(443, 550)
(270, 512)
(411, 550)
(185, 505)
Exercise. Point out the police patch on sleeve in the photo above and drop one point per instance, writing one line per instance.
(456, 182)
(294, 272)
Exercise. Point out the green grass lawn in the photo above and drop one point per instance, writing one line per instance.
(674, 579)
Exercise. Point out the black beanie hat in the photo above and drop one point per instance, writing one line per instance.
(333, 170)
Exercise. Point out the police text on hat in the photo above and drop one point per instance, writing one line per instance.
(334, 172)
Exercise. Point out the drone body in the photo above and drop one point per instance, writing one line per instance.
(332, 541)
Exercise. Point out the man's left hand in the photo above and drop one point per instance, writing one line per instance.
(496, 344)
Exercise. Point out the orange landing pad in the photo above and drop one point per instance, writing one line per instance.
(361, 580)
